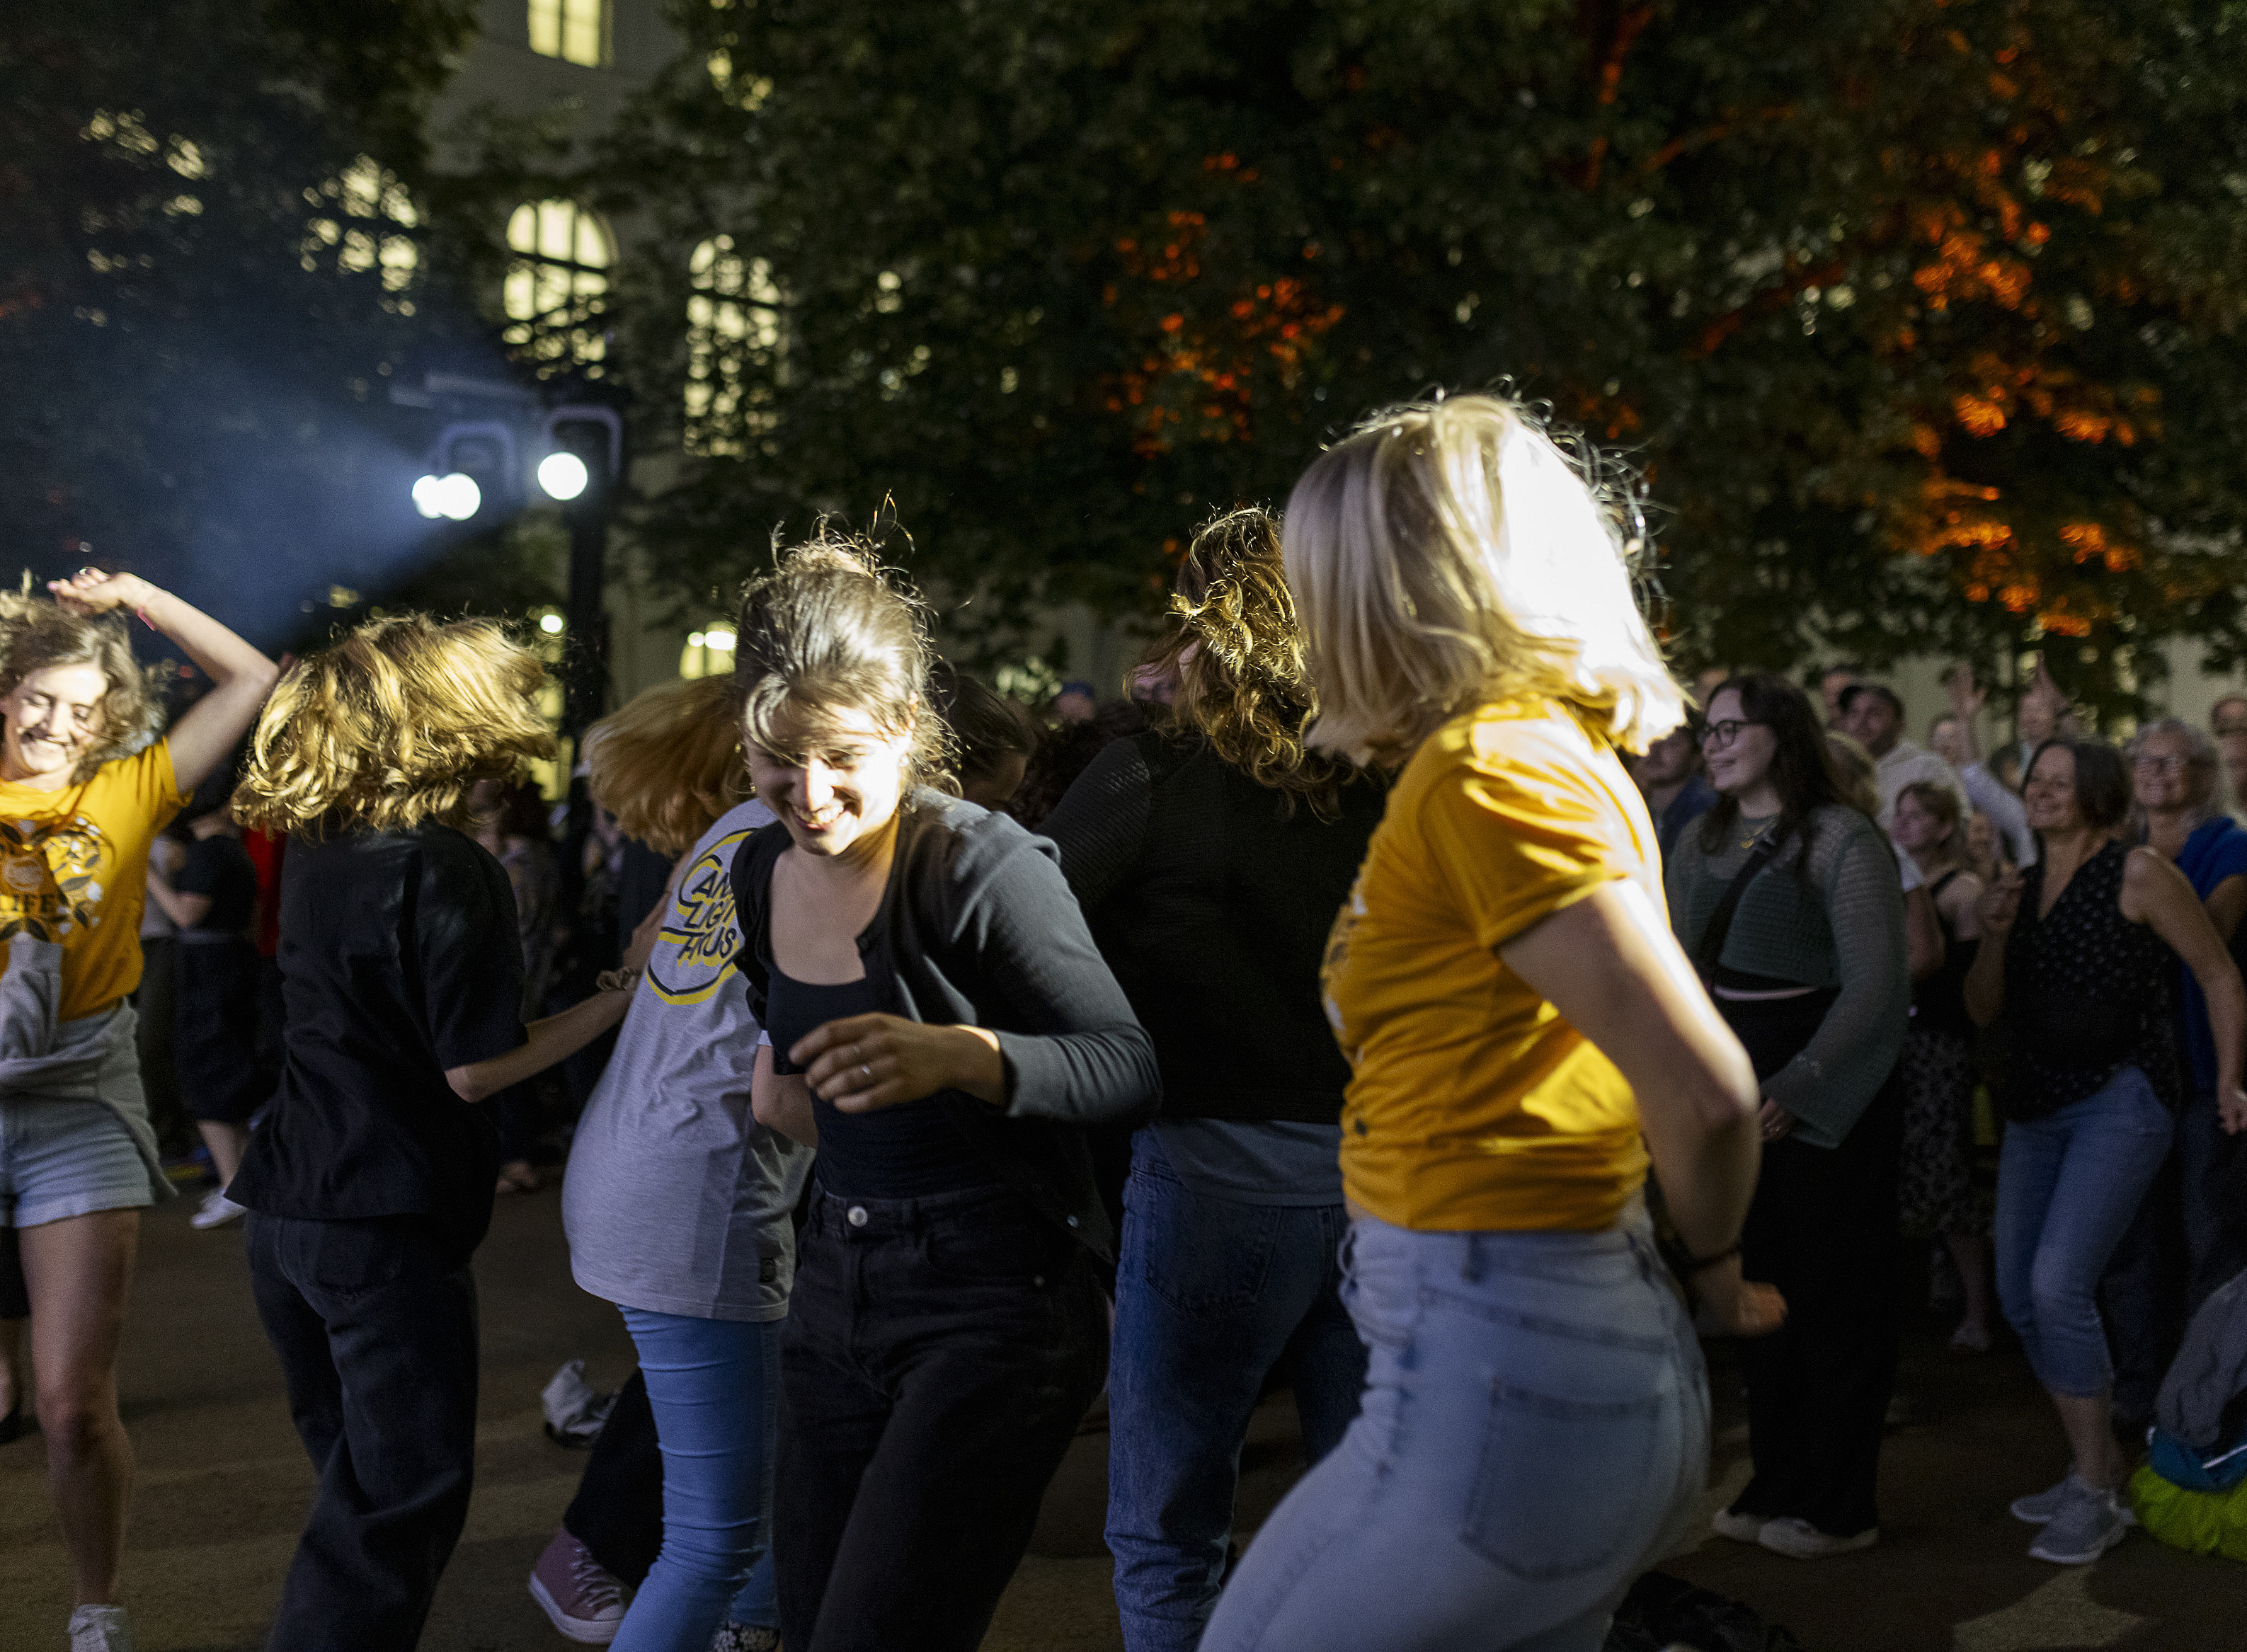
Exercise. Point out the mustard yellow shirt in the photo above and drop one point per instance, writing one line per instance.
(74, 870)
(1473, 1105)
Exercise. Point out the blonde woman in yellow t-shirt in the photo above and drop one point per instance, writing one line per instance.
(1523, 1032)
(85, 787)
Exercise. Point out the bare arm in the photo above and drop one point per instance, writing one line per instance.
(782, 1101)
(186, 911)
(2157, 895)
(1611, 968)
(554, 1039)
(240, 677)
(1985, 981)
(2226, 905)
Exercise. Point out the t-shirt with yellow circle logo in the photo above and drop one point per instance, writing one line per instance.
(1472, 1104)
(74, 871)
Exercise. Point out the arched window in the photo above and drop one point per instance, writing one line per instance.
(557, 283)
(732, 347)
(574, 30)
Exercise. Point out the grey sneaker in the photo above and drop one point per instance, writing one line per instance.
(2088, 1524)
(101, 1629)
(2039, 1508)
(742, 1637)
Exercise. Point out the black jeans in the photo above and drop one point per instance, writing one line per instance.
(1822, 1228)
(939, 1355)
(618, 1513)
(375, 1324)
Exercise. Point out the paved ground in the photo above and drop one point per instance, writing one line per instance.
(223, 1485)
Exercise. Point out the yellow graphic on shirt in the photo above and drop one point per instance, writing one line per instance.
(694, 950)
(51, 875)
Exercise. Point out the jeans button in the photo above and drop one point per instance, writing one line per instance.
(856, 1216)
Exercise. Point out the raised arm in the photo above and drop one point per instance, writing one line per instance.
(240, 677)
(2157, 895)
(1610, 965)
(1986, 979)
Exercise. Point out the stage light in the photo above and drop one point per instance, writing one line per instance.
(425, 497)
(455, 496)
(562, 475)
(550, 623)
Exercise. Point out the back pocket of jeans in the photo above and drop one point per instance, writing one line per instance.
(1562, 1485)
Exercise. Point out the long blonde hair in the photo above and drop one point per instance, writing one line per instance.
(1238, 652)
(1448, 553)
(37, 633)
(392, 726)
(669, 763)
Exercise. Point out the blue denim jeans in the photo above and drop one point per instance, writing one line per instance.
(1534, 1430)
(1212, 1296)
(714, 1388)
(2068, 1187)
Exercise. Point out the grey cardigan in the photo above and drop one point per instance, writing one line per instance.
(978, 928)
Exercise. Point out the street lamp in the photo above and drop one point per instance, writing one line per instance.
(453, 496)
(562, 475)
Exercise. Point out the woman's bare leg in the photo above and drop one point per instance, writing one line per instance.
(227, 1143)
(78, 1270)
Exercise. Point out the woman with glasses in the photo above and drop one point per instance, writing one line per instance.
(1521, 1030)
(2073, 956)
(1788, 899)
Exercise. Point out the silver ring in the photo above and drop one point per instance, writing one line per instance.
(866, 1072)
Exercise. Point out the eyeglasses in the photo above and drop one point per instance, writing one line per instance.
(1717, 736)
(2151, 764)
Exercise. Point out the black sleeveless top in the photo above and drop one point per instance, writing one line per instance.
(2086, 993)
(1938, 1004)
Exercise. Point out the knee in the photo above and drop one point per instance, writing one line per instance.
(78, 1417)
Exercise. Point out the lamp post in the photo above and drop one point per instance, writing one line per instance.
(583, 467)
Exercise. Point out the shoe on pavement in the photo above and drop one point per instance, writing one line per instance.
(2088, 1524)
(745, 1637)
(1802, 1541)
(1741, 1528)
(581, 1597)
(2039, 1508)
(218, 1210)
(101, 1629)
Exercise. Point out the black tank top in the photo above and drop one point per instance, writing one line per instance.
(1938, 1004)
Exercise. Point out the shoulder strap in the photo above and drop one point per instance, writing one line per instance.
(1720, 921)
(1935, 890)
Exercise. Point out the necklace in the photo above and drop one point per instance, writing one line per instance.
(1748, 842)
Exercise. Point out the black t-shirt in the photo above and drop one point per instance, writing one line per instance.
(398, 959)
(220, 867)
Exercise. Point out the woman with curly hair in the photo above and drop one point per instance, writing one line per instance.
(940, 1023)
(85, 786)
(1211, 855)
(371, 1182)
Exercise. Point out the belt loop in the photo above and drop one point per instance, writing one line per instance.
(1471, 1256)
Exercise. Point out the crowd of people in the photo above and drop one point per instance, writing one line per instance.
(1407, 991)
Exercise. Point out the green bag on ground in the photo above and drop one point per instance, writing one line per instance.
(2198, 1522)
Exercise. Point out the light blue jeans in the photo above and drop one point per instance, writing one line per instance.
(1534, 1431)
(2068, 1187)
(714, 1388)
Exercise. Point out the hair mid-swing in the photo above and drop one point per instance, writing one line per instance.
(830, 631)
(38, 633)
(669, 763)
(392, 726)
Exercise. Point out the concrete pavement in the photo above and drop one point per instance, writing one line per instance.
(223, 1487)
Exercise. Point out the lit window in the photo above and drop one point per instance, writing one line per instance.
(575, 30)
(707, 653)
(557, 284)
(361, 220)
(732, 347)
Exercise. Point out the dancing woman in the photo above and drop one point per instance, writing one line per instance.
(939, 1022)
(85, 785)
(371, 1182)
(1522, 1028)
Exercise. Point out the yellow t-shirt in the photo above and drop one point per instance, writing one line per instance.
(1473, 1105)
(74, 870)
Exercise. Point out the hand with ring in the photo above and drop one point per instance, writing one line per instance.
(862, 1063)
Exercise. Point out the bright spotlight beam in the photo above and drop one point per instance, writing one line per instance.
(562, 475)
(425, 497)
(458, 496)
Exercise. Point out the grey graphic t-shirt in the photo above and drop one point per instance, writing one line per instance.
(677, 1201)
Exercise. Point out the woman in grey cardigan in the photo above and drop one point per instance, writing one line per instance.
(1788, 899)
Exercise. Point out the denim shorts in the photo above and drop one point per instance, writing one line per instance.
(60, 1159)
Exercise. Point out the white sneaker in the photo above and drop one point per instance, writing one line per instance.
(1800, 1540)
(1741, 1528)
(218, 1210)
(101, 1629)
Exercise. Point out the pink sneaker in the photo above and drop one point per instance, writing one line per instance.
(582, 1598)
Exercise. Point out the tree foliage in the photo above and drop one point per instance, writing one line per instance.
(1919, 317)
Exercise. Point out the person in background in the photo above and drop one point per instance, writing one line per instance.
(1211, 855)
(510, 825)
(1946, 738)
(1938, 1074)
(2036, 718)
(1522, 1032)
(155, 1009)
(2077, 952)
(1873, 716)
(1065, 751)
(1670, 778)
(370, 1183)
(2227, 720)
(1987, 854)
(1988, 793)
(1077, 702)
(940, 1024)
(1788, 898)
(2190, 1234)
(1834, 684)
(213, 900)
(677, 1203)
(993, 735)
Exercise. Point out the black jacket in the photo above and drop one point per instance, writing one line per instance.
(977, 928)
